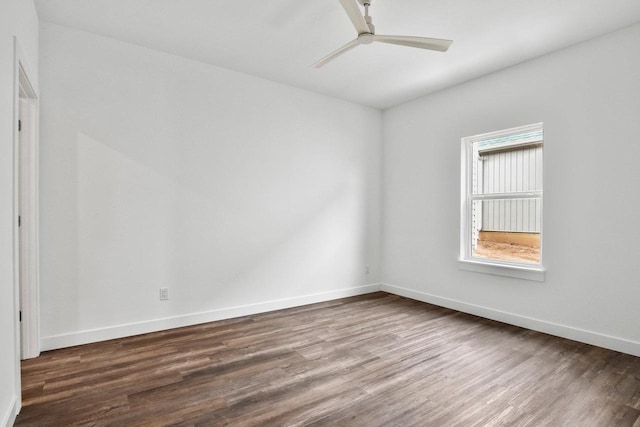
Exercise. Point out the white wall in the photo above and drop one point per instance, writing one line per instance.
(588, 97)
(17, 18)
(232, 191)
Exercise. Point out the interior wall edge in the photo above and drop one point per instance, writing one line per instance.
(131, 329)
(564, 331)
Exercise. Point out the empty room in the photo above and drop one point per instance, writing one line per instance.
(319, 213)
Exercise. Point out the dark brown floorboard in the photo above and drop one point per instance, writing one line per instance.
(372, 360)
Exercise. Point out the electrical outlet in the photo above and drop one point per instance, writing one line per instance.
(164, 294)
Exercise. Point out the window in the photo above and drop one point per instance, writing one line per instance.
(501, 203)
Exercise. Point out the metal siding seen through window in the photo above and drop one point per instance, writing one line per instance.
(515, 170)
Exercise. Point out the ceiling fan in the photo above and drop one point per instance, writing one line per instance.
(367, 34)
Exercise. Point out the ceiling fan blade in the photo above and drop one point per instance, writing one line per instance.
(353, 10)
(333, 55)
(441, 45)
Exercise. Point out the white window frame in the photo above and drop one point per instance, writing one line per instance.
(491, 266)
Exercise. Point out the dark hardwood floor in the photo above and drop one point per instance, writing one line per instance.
(372, 360)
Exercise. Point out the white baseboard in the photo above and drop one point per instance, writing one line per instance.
(120, 331)
(9, 418)
(576, 334)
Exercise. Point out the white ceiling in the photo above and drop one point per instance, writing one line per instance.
(280, 39)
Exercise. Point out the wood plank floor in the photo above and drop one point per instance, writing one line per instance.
(372, 360)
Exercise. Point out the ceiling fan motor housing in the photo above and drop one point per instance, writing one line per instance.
(366, 38)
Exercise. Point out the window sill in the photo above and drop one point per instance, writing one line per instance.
(527, 273)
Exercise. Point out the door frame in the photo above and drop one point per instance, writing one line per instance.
(26, 236)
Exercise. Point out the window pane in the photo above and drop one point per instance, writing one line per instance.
(506, 229)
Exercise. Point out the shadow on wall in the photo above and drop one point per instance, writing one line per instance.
(138, 230)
